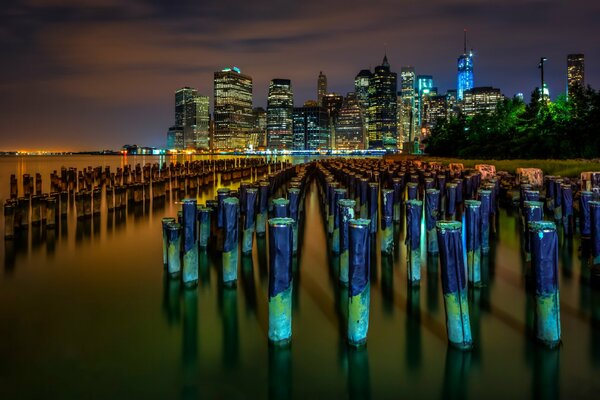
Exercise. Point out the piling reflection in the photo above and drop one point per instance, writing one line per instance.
(595, 326)
(546, 375)
(171, 303)
(189, 356)
(387, 282)
(433, 290)
(280, 372)
(475, 317)
(456, 371)
(359, 374)
(413, 328)
(263, 265)
(229, 316)
(248, 283)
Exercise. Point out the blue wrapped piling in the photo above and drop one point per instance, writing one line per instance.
(454, 284)
(544, 262)
(557, 199)
(550, 194)
(373, 206)
(473, 224)
(533, 212)
(346, 211)
(263, 204)
(294, 208)
(222, 194)
(585, 226)
(190, 245)
(567, 209)
(412, 191)
(359, 296)
(397, 186)
(174, 249)
(249, 207)
(165, 235)
(203, 226)
(387, 223)
(338, 194)
(331, 187)
(364, 195)
(485, 198)
(413, 240)
(280, 208)
(451, 200)
(230, 244)
(280, 279)
(595, 223)
(432, 200)
(459, 191)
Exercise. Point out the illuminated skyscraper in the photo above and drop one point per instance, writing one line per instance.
(280, 108)
(361, 88)
(575, 72)
(382, 115)
(192, 117)
(258, 135)
(481, 100)
(311, 130)
(349, 127)
(424, 87)
(175, 138)
(332, 103)
(407, 106)
(465, 71)
(232, 109)
(321, 87)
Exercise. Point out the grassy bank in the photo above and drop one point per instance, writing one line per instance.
(568, 168)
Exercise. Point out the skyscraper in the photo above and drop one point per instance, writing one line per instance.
(232, 109)
(481, 100)
(424, 87)
(332, 103)
(382, 115)
(349, 127)
(280, 107)
(192, 117)
(361, 88)
(575, 72)
(311, 131)
(321, 87)
(407, 106)
(258, 135)
(465, 71)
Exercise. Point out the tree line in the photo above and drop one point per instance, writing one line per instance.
(564, 128)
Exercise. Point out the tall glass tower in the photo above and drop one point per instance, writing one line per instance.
(465, 70)
(280, 109)
(382, 113)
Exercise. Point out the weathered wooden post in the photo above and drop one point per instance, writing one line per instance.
(451, 200)
(567, 209)
(412, 191)
(584, 214)
(249, 206)
(280, 279)
(544, 262)
(174, 248)
(397, 187)
(346, 211)
(359, 293)
(595, 222)
(204, 226)
(190, 244)
(432, 200)
(473, 225)
(294, 209)
(387, 223)
(533, 211)
(230, 244)
(373, 206)
(413, 240)
(338, 194)
(165, 222)
(454, 284)
(485, 198)
(9, 219)
(263, 203)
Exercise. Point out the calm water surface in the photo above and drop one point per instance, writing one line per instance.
(86, 312)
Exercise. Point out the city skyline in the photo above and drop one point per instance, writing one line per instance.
(104, 75)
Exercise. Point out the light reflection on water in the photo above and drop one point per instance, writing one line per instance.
(86, 308)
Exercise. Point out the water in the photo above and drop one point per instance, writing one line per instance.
(87, 312)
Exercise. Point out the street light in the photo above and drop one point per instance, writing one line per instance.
(541, 67)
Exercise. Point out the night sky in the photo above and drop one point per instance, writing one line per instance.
(96, 74)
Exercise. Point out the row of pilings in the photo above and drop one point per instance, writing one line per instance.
(273, 206)
(87, 192)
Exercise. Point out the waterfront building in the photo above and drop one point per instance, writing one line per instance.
(408, 118)
(280, 108)
(382, 112)
(175, 138)
(481, 100)
(321, 87)
(349, 127)
(423, 88)
(575, 72)
(361, 88)
(232, 109)
(192, 116)
(332, 103)
(258, 135)
(436, 109)
(311, 128)
(465, 70)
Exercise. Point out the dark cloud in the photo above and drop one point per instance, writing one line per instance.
(99, 73)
